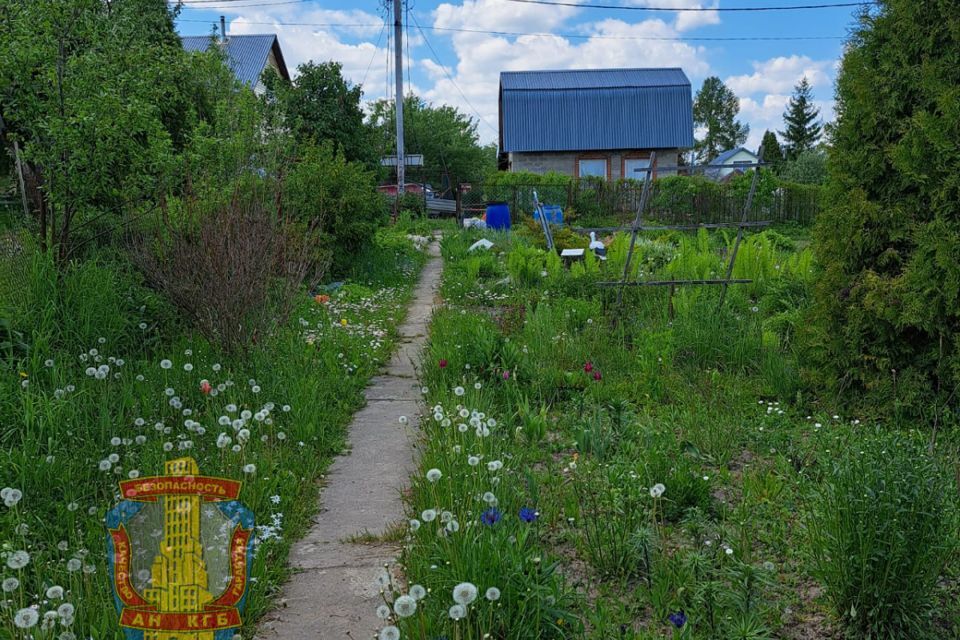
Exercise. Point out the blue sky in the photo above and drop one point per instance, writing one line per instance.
(463, 66)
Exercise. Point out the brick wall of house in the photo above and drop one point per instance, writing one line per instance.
(565, 162)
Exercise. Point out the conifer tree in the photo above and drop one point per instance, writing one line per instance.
(803, 127)
(770, 150)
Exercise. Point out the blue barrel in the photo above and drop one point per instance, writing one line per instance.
(498, 216)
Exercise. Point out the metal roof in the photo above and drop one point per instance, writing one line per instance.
(729, 153)
(246, 55)
(595, 109)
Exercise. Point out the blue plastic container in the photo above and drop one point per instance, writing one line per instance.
(552, 212)
(498, 216)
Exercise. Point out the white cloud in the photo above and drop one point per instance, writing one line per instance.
(481, 57)
(686, 20)
(302, 41)
(781, 74)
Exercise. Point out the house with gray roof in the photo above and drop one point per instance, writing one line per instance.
(594, 122)
(248, 55)
(730, 157)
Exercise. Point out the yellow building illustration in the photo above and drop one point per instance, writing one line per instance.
(179, 573)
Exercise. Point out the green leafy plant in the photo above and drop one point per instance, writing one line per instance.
(881, 528)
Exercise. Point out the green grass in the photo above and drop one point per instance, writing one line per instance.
(594, 406)
(68, 437)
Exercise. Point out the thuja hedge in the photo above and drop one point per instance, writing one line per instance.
(887, 319)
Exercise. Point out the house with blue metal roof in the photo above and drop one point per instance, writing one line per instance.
(248, 55)
(740, 155)
(594, 122)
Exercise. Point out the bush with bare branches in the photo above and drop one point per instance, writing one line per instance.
(233, 269)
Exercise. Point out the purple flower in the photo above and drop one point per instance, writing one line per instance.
(678, 619)
(527, 514)
(490, 517)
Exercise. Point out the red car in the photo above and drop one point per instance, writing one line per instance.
(410, 187)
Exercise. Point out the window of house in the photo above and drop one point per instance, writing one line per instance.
(635, 168)
(592, 168)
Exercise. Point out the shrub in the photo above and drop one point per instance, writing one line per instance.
(887, 317)
(324, 191)
(232, 271)
(881, 529)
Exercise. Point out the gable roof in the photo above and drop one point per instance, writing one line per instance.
(729, 153)
(246, 55)
(595, 109)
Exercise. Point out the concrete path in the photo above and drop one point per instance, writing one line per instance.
(335, 591)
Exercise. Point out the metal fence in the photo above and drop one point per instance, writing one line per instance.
(673, 200)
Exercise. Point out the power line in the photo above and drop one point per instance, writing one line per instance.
(376, 47)
(436, 59)
(561, 3)
(548, 34)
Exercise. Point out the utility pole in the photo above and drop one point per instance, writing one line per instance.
(398, 60)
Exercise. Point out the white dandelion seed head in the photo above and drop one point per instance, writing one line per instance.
(383, 612)
(26, 618)
(418, 592)
(389, 633)
(55, 592)
(405, 606)
(165, 364)
(414, 524)
(459, 391)
(428, 515)
(492, 594)
(457, 612)
(657, 490)
(465, 593)
(434, 474)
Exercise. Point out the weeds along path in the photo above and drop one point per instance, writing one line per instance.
(335, 591)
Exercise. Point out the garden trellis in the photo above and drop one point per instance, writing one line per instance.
(638, 226)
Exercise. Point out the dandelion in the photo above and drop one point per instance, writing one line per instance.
(250, 468)
(433, 475)
(428, 515)
(10, 585)
(166, 364)
(383, 612)
(414, 524)
(418, 592)
(26, 618)
(74, 565)
(55, 592)
(477, 386)
(66, 610)
(527, 514)
(11, 496)
(403, 420)
(464, 593)
(490, 517)
(405, 606)
(389, 632)
(728, 551)
(188, 367)
(657, 490)
(492, 594)
(453, 526)
(457, 612)
(489, 498)
(473, 461)
(459, 391)
(18, 559)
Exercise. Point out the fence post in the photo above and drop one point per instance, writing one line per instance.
(458, 198)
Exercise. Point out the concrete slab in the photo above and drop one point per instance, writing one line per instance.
(337, 589)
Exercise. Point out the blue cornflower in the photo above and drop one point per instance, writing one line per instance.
(678, 619)
(527, 514)
(490, 517)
